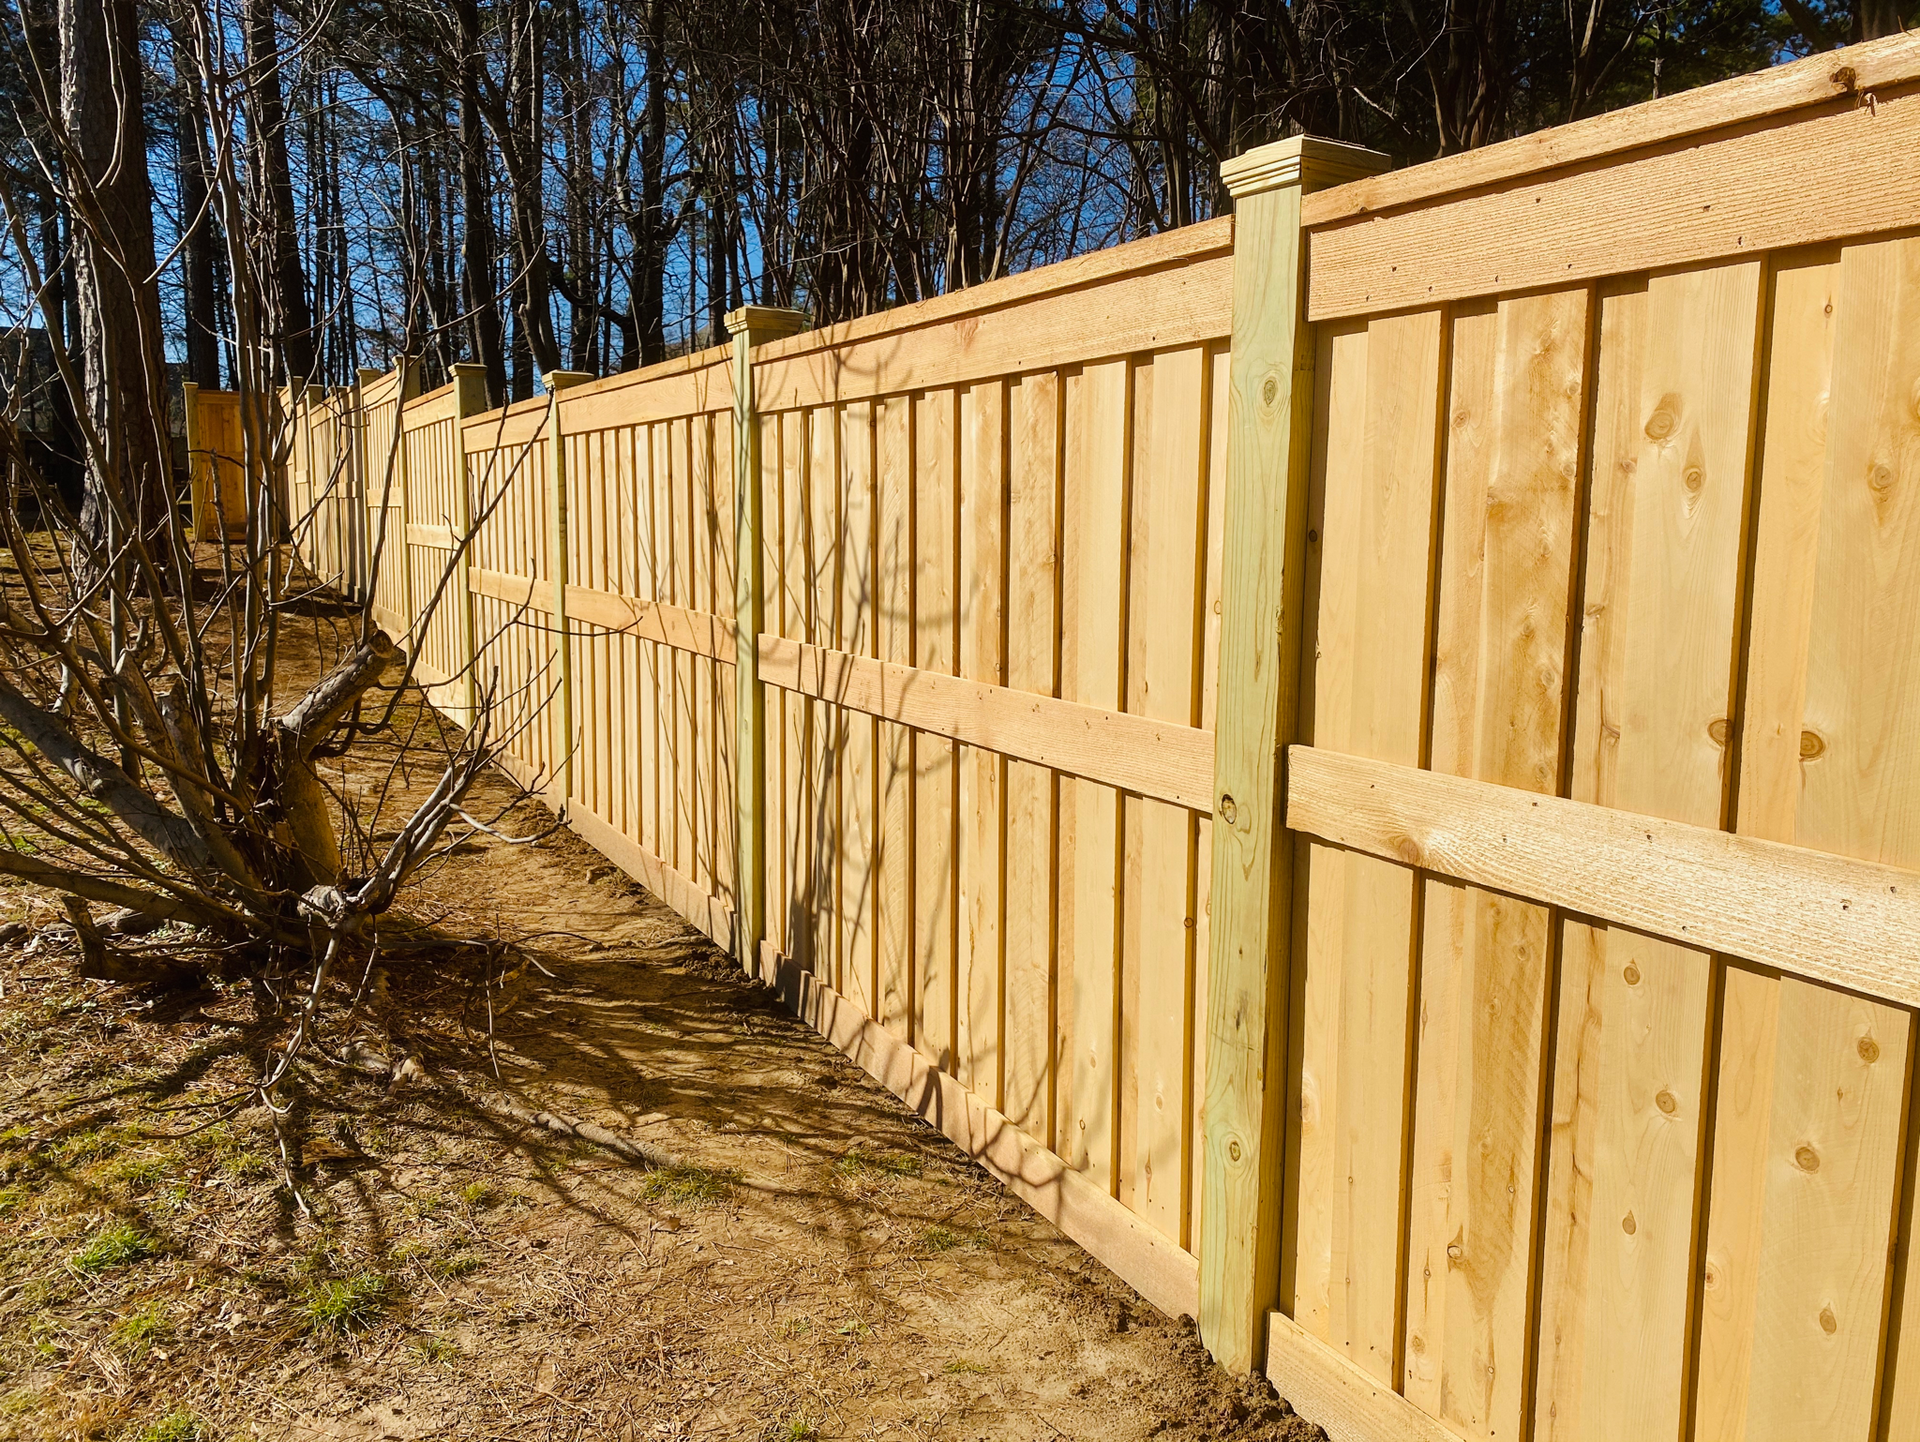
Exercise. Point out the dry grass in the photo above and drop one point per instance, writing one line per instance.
(821, 1265)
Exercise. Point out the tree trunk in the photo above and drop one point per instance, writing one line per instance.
(520, 149)
(290, 318)
(477, 279)
(200, 309)
(649, 228)
(116, 302)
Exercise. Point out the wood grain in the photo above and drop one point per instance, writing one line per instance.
(1683, 203)
(1515, 413)
(1834, 75)
(1375, 504)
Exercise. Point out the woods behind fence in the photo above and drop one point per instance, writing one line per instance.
(1362, 755)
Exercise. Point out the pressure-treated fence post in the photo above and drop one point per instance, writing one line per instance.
(1269, 436)
(469, 399)
(749, 326)
(561, 784)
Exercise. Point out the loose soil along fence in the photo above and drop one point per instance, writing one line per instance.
(1365, 757)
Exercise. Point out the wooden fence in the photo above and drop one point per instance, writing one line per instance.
(1365, 757)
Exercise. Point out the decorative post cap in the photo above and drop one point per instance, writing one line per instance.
(560, 380)
(764, 322)
(1303, 160)
(467, 368)
(367, 375)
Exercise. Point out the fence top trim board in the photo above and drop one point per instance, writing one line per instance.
(1174, 248)
(1829, 76)
(434, 406)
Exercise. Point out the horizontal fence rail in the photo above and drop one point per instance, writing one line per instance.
(1364, 757)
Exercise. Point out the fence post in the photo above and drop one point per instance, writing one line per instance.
(469, 399)
(1269, 442)
(561, 785)
(749, 326)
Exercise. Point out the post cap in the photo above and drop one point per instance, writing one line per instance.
(765, 322)
(560, 380)
(367, 375)
(1303, 160)
(467, 368)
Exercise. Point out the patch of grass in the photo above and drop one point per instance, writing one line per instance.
(796, 1326)
(800, 1427)
(140, 1328)
(857, 1163)
(18, 1404)
(477, 1194)
(423, 1207)
(853, 1327)
(939, 1239)
(47, 1291)
(234, 1155)
(461, 1264)
(84, 1148)
(961, 1367)
(12, 1199)
(243, 1164)
(177, 1426)
(346, 1304)
(689, 1186)
(44, 1333)
(439, 1350)
(119, 1244)
(138, 1174)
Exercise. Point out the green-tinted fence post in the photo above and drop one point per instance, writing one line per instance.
(560, 785)
(750, 326)
(1269, 443)
(469, 399)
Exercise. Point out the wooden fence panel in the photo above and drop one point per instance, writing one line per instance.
(1620, 564)
(434, 478)
(1044, 531)
(383, 482)
(1648, 1190)
(649, 505)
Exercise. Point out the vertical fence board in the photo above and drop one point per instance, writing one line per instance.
(1219, 390)
(1515, 415)
(859, 814)
(982, 774)
(1377, 531)
(1033, 601)
(1831, 1174)
(1165, 620)
(796, 624)
(894, 445)
(1675, 399)
(829, 737)
(1792, 467)
(1093, 548)
(936, 528)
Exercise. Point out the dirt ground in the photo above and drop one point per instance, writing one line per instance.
(819, 1263)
